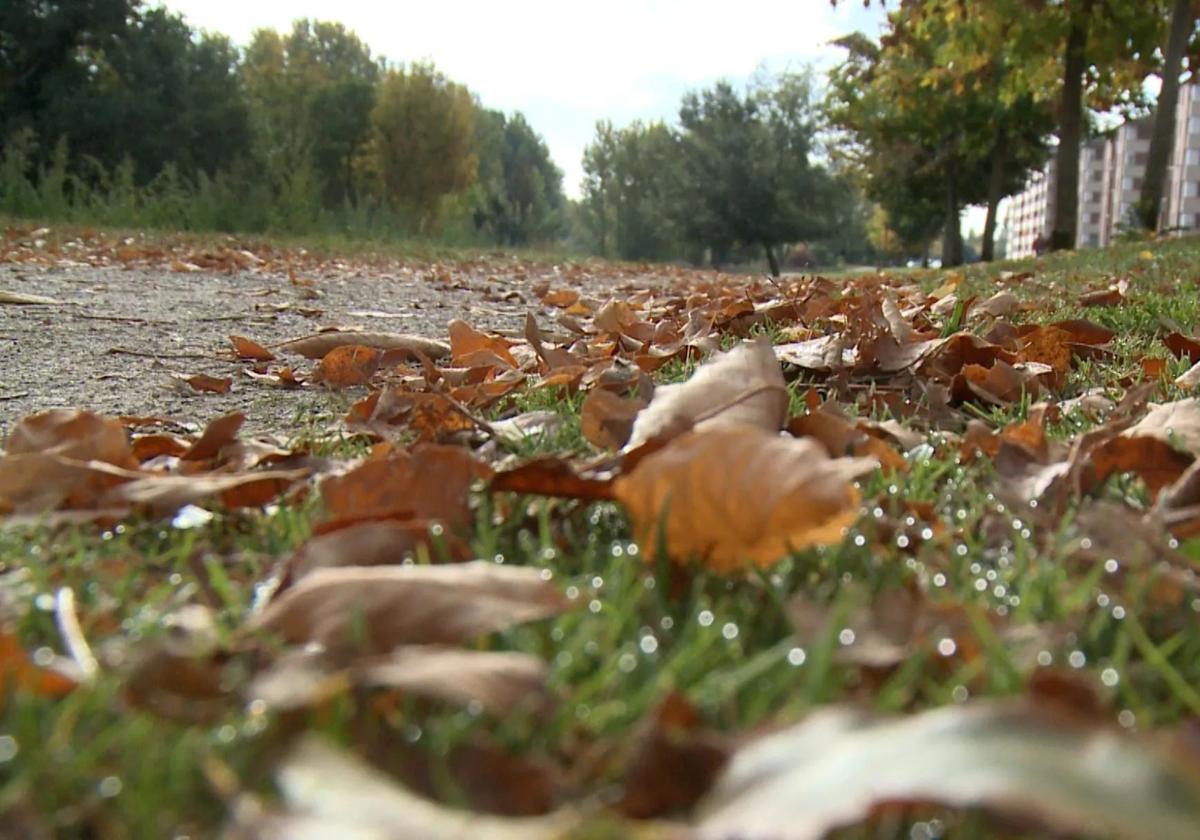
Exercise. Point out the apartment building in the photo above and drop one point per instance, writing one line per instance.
(1111, 168)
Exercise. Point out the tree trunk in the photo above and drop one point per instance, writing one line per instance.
(1163, 137)
(772, 260)
(995, 190)
(1070, 130)
(952, 244)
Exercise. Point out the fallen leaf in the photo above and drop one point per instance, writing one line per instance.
(1176, 423)
(317, 346)
(466, 341)
(735, 495)
(433, 482)
(18, 673)
(22, 299)
(742, 386)
(607, 420)
(246, 348)
(217, 435)
(209, 384)
(552, 476)
(501, 682)
(355, 611)
(74, 434)
(1068, 774)
(348, 365)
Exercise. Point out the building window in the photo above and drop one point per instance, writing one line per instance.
(1193, 157)
(1189, 189)
(1127, 183)
(1194, 125)
(1185, 220)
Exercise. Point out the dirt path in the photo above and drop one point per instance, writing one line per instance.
(117, 337)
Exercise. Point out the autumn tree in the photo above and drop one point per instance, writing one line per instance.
(422, 141)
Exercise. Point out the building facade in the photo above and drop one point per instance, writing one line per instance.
(1111, 168)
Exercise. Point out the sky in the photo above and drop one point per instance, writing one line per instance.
(565, 64)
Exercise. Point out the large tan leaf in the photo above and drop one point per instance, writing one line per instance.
(742, 386)
(377, 609)
(499, 681)
(317, 346)
(69, 433)
(739, 494)
(166, 494)
(37, 482)
(1073, 776)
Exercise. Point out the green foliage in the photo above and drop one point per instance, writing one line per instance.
(421, 148)
(519, 197)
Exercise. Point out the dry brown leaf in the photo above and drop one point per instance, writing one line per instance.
(552, 476)
(206, 384)
(466, 341)
(842, 439)
(317, 346)
(366, 542)
(1177, 423)
(741, 387)
(354, 611)
(348, 365)
(1183, 345)
(37, 482)
(22, 299)
(246, 348)
(216, 436)
(607, 420)
(433, 482)
(166, 494)
(74, 434)
(739, 495)
(1000, 305)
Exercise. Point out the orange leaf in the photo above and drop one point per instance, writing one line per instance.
(211, 384)
(739, 495)
(18, 673)
(352, 364)
(248, 349)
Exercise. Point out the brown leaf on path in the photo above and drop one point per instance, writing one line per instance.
(19, 674)
(1029, 762)
(246, 348)
(1000, 305)
(431, 482)
(317, 346)
(1082, 331)
(206, 384)
(23, 299)
(465, 340)
(826, 354)
(562, 298)
(216, 436)
(741, 387)
(673, 763)
(607, 419)
(354, 611)
(347, 366)
(1001, 384)
(147, 447)
(739, 495)
(552, 357)
(72, 433)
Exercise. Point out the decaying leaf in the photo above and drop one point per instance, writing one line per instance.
(742, 386)
(348, 365)
(247, 348)
(377, 609)
(1068, 774)
(317, 346)
(607, 420)
(739, 494)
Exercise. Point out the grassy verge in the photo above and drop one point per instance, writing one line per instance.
(86, 765)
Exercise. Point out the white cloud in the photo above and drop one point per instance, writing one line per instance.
(568, 64)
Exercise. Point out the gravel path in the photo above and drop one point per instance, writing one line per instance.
(118, 336)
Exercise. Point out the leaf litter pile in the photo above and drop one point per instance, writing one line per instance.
(722, 557)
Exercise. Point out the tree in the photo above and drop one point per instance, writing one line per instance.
(422, 141)
(746, 173)
(520, 189)
(311, 92)
(1183, 19)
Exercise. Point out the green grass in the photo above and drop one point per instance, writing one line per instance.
(86, 765)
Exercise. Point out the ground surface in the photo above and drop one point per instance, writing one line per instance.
(121, 330)
(936, 531)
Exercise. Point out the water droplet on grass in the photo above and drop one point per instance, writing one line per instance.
(796, 657)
